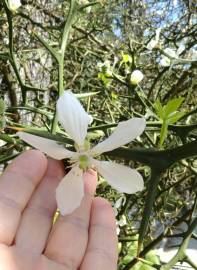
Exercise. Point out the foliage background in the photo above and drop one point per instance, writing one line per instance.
(49, 46)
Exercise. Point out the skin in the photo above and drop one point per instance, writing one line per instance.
(83, 240)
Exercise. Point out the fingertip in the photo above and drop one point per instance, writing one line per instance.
(104, 211)
(103, 205)
(34, 154)
(90, 181)
(101, 202)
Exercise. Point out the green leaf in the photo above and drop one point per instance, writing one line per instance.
(167, 111)
(127, 259)
(159, 109)
(126, 58)
(2, 106)
(173, 118)
(137, 266)
(114, 95)
(172, 106)
(146, 267)
(152, 257)
(7, 138)
(104, 79)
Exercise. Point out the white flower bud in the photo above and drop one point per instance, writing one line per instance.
(13, 5)
(136, 77)
(152, 44)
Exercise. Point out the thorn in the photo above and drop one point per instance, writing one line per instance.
(16, 128)
(138, 251)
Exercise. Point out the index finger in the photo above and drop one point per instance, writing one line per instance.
(17, 184)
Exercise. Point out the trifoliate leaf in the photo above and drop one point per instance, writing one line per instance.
(172, 106)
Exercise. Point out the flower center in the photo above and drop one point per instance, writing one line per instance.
(82, 148)
(83, 162)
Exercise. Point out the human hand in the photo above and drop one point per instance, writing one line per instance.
(83, 240)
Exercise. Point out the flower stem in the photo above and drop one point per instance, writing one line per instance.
(64, 41)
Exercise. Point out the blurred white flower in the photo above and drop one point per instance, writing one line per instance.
(173, 54)
(120, 223)
(175, 3)
(181, 48)
(75, 121)
(136, 77)
(13, 5)
(154, 42)
(2, 143)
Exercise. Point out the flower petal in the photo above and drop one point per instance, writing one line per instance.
(70, 191)
(73, 117)
(13, 5)
(172, 53)
(136, 77)
(152, 44)
(124, 133)
(49, 147)
(122, 178)
(157, 34)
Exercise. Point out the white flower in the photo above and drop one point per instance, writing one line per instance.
(13, 5)
(166, 61)
(136, 77)
(154, 42)
(173, 54)
(120, 223)
(2, 143)
(75, 121)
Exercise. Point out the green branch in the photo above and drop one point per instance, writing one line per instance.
(156, 159)
(181, 256)
(65, 35)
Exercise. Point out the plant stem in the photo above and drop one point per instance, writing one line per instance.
(180, 255)
(64, 41)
